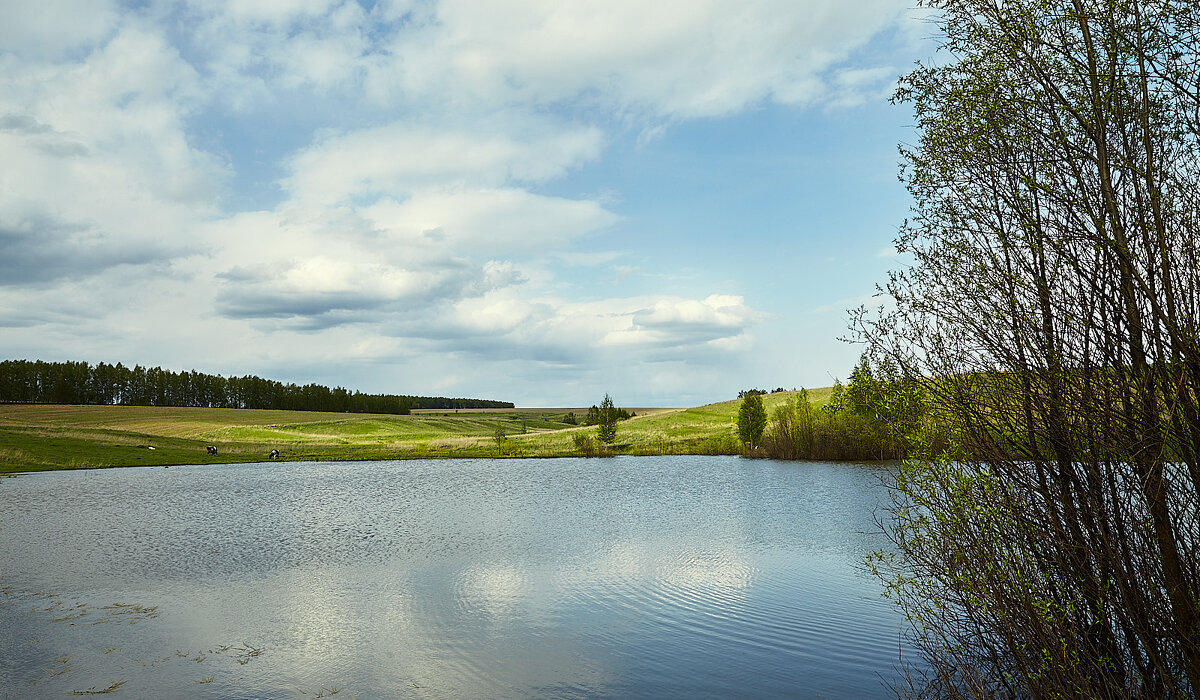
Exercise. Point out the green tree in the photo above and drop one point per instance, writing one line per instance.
(1052, 311)
(607, 421)
(751, 420)
(499, 434)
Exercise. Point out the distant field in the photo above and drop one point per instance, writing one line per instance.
(39, 437)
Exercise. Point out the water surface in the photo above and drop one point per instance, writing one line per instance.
(626, 577)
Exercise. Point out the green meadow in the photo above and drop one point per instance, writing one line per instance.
(41, 437)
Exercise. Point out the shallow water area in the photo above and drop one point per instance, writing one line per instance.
(625, 577)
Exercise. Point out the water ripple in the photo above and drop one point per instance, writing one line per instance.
(697, 577)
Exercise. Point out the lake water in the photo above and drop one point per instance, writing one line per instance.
(626, 577)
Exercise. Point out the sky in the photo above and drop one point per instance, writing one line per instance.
(537, 201)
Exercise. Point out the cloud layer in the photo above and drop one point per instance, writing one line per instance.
(409, 152)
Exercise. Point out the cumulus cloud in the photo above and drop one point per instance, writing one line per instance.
(317, 268)
(491, 221)
(319, 285)
(556, 330)
(714, 316)
(99, 171)
(403, 157)
(673, 59)
(668, 60)
(677, 323)
(321, 269)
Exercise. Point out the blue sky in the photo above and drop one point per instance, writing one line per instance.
(533, 200)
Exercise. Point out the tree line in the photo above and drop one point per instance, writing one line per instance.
(880, 414)
(25, 381)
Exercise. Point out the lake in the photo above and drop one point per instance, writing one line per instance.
(677, 576)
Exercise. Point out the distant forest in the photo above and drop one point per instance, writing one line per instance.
(23, 381)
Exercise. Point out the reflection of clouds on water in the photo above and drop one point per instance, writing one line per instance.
(650, 586)
(305, 612)
(493, 590)
(315, 605)
(723, 574)
(644, 565)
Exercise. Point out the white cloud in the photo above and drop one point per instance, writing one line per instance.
(676, 323)
(489, 222)
(402, 157)
(717, 311)
(495, 314)
(99, 170)
(670, 59)
(49, 27)
(322, 270)
(852, 87)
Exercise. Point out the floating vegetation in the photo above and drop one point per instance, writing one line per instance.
(247, 652)
(94, 691)
(52, 609)
(72, 614)
(151, 664)
(127, 612)
(130, 613)
(241, 654)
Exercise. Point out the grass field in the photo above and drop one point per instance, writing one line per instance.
(40, 437)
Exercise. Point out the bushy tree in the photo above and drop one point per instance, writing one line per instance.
(751, 420)
(584, 444)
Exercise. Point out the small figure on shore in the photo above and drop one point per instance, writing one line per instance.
(212, 450)
(274, 454)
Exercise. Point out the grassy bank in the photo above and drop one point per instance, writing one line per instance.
(39, 437)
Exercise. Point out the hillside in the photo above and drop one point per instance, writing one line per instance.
(40, 437)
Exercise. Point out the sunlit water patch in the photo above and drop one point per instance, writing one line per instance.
(628, 577)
